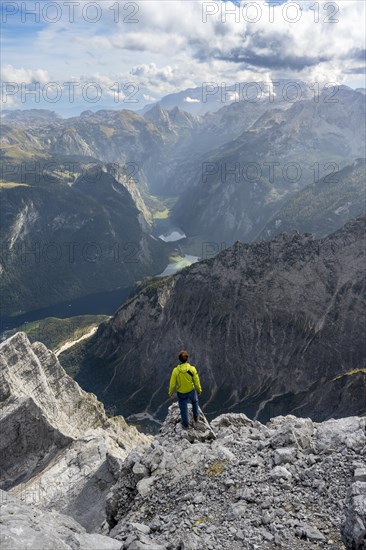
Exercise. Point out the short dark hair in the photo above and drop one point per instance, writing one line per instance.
(183, 356)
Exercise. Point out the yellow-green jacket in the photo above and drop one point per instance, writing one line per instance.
(183, 381)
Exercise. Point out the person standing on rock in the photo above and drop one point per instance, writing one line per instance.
(186, 380)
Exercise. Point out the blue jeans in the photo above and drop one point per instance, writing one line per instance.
(183, 399)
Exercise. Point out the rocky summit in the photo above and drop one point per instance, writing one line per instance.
(239, 484)
(71, 478)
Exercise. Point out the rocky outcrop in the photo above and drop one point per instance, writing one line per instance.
(58, 448)
(25, 527)
(354, 527)
(279, 485)
(174, 121)
(273, 327)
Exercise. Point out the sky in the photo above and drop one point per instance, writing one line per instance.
(81, 55)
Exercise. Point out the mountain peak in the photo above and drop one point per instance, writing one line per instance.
(156, 110)
(87, 114)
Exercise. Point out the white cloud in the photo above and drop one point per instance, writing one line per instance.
(26, 76)
(191, 100)
(232, 96)
(171, 48)
(148, 97)
(152, 71)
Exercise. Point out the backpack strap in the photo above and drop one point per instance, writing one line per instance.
(187, 372)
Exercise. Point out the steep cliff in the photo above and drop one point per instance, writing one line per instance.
(58, 448)
(26, 527)
(273, 328)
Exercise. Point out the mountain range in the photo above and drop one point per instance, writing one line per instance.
(267, 197)
(236, 189)
(243, 171)
(322, 207)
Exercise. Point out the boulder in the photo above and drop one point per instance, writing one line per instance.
(285, 455)
(236, 420)
(354, 526)
(309, 532)
(291, 432)
(279, 472)
(345, 432)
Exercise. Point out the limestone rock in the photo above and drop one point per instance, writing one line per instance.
(234, 484)
(207, 494)
(197, 431)
(231, 419)
(285, 455)
(279, 472)
(309, 532)
(25, 527)
(144, 486)
(345, 432)
(360, 474)
(291, 431)
(58, 448)
(354, 526)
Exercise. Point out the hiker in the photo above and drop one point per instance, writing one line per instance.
(185, 378)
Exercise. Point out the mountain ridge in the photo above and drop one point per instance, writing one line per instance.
(323, 207)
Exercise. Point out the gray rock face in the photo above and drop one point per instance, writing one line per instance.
(354, 526)
(58, 448)
(25, 527)
(289, 315)
(349, 432)
(229, 493)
